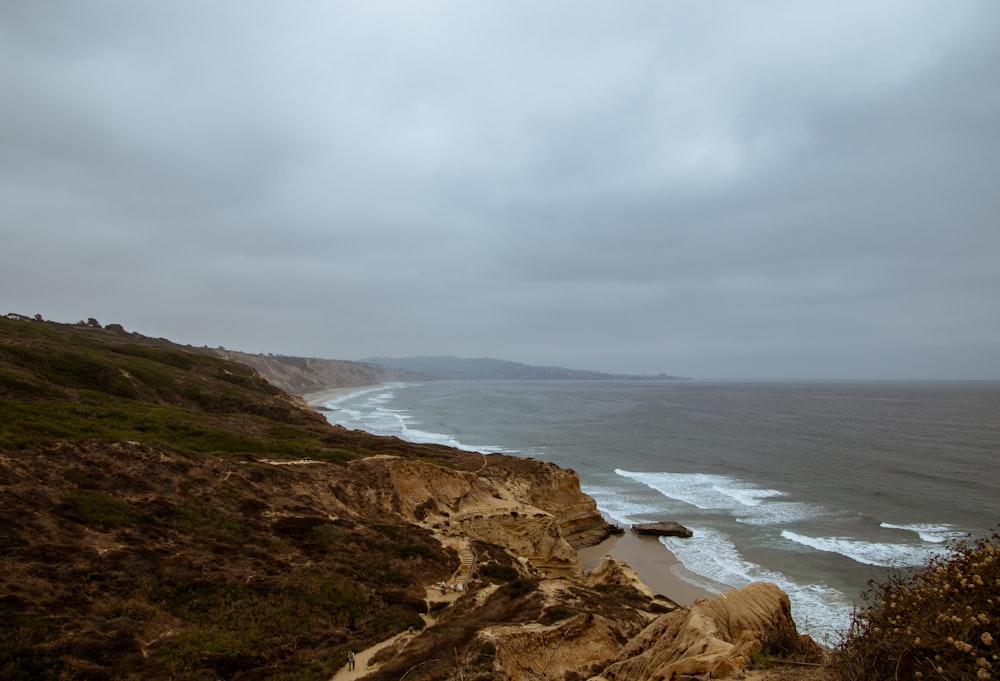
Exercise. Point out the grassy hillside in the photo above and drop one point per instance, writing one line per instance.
(147, 529)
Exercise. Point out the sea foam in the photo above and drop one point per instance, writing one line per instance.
(747, 502)
(880, 554)
(935, 534)
(368, 412)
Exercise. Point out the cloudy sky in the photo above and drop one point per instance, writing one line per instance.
(714, 189)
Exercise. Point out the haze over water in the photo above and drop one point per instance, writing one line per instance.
(816, 486)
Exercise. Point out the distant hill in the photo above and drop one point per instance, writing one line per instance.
(485, 368)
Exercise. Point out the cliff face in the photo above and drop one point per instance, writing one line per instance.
(531, 508)
(553, 489)
(303, 375)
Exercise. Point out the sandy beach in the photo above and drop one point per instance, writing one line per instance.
(317, 398)
(651, 560)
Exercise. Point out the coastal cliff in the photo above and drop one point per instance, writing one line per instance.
(303, 375)
(168, 513)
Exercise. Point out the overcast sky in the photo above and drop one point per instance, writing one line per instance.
(713, 189)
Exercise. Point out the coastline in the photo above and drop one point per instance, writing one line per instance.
(317, 398)
(653, 562)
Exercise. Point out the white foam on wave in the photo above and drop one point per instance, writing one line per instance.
(879, 554)
(617, 507)
(935, 534)
(336, 401)
(372, 415)
(709, 492)
(819, 610)
(749, 497)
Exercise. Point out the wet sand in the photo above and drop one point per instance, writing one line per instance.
(317, 398)
(651, 560)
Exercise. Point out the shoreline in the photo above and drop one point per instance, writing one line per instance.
(317, 398)
(655, 565)
(653, 562)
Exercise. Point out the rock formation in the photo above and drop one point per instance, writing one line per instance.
(712, 638)
(663, 529)
(532, 508)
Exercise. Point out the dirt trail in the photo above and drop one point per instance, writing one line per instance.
(363, 658)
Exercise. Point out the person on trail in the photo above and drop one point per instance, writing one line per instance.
(350, 661)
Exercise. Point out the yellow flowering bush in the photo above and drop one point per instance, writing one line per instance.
(935, 622)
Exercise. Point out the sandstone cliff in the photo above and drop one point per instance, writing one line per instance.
(303, 375)
(712, 638)
(532, 508)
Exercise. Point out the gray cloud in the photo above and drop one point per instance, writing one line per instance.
(766, 190)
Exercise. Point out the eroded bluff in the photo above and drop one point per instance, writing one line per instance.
(532, 508)
(555, 621)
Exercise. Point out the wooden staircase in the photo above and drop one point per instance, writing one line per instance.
(468, 556)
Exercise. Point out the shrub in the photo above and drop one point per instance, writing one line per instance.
(206, 524)
(414, 550)
(519, 587)
(938, 622)
(555, 613)
(100, 508)
(497, 572)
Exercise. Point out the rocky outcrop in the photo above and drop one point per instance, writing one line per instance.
(531, 652)
(665, 528)
(498, 508)
(712, 638)
(553, 489)
(613, 572)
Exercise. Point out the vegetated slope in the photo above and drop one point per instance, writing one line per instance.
(142, 531)
(169, 514)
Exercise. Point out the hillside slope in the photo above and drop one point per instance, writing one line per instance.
(169, 514)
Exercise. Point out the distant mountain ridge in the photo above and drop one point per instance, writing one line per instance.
(446, 367)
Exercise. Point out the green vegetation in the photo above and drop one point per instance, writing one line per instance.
(495, 572)
(939, 622)
(206, 524)
(555, 613)
(27, 423)
(139, 506)
(100, 508)
(519, 587)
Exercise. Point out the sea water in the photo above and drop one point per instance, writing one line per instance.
(815, 486)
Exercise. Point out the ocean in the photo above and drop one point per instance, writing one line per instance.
(815, 486)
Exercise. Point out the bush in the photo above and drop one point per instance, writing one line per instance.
(100, 508)
(519, 587)
(555, 613)
(414, 550)
(939, 622)
(497, 572)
